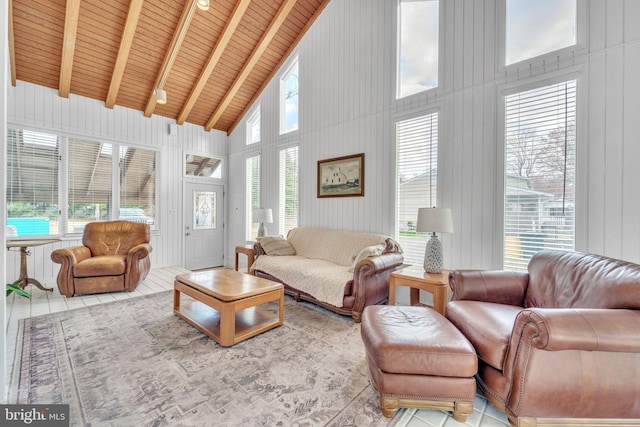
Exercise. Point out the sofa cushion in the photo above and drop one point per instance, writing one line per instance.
(486, 325)
(566, 280)
(321, 279)
(106, 265)
(337, 246)
(276, 245)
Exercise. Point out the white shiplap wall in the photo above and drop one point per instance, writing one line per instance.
(347, 106)
(40, 108)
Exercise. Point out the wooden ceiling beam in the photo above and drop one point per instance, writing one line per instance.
(68, 46)
(135, 7)
(267, 80)
(268, 35)
(12, 47)
(223, 41)
(170, 57)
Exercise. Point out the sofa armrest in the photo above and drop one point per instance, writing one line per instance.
(500, 287)
(68, 257)
(371, 281)
(561, 358)
(553, 329)
(138, 265)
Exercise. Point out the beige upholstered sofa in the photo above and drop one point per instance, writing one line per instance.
(340, 270)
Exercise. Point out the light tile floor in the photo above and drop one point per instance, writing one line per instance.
(161, 279)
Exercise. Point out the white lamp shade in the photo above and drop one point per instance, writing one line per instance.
(263, 215)
(434, 220)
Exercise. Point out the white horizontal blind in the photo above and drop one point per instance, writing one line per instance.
(89, 183)
(32, 183)
(289, 199)
(252, 194)
(138, 185)
(540, 153)
(416, 182)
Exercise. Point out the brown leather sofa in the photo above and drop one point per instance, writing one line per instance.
(558, 345)
(114, 257)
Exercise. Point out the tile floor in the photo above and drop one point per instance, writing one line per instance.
(161, 279)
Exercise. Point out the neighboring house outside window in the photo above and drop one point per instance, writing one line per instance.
(539, 175)
(289, 99)
(289, 198)
(252, 170)
(253, 127)
(416, 181)
(418, 46)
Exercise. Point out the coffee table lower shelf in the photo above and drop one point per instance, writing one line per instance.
(228, 323)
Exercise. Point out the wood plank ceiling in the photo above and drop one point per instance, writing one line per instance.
(213, 64)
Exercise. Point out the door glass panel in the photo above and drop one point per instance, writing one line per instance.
(204, 210)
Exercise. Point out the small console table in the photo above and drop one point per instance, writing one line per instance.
(249, 252)
(417, 279)
(24, 279)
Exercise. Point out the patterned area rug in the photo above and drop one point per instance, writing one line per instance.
(134, 363)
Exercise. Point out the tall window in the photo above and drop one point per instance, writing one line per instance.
(89, 189)
(33, 160)
(416, 182)
(37, 166)
(252, 195)
(289, 99)
(418, 31)
(288, 189)
(253, 127)
(539, 185)
(534, 28)
(138, 185)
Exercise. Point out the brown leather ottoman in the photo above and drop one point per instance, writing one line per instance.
(418, 359)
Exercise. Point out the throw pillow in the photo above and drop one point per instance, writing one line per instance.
(276, 245)
(368, 252)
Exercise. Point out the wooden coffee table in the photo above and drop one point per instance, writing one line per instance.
(226, 304)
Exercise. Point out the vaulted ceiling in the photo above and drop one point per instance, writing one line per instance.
(212, 64)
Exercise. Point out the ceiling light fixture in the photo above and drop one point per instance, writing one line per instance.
(161, 96)
(202, 4)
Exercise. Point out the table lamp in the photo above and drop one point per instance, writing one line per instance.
(433, 220)
(262, 215)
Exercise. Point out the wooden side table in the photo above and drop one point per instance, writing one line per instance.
(248, 251)
(417, 279)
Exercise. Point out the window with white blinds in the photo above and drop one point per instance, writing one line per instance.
(33, 160)
(252, 195)
(89, 189)
(539, 185)
(416, 181)
(288, 189)
(138, 185)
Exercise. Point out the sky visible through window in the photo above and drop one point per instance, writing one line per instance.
(538, 27)
(418, 59)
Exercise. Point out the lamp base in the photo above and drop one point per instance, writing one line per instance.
(262, 230)
(433, 255)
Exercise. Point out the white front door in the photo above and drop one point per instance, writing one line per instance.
(203, 226)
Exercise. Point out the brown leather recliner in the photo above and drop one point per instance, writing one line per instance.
(114, 257)
(560, 342)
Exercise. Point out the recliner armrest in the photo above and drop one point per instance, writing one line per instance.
(500, 287)
(613, 330)
(71, 256)
(139, 251)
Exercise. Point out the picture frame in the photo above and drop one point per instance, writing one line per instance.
(341, 176)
